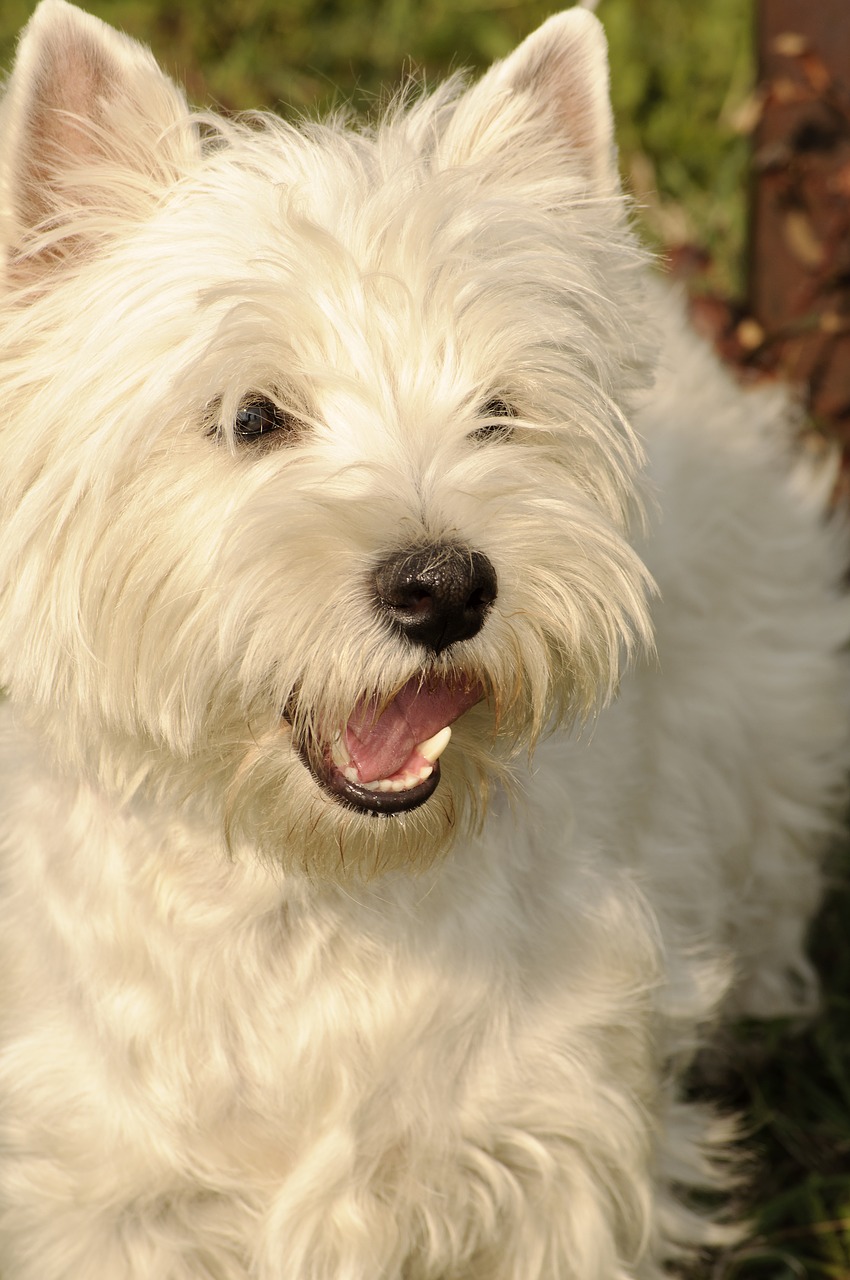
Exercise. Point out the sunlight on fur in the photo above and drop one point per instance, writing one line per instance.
(427, 712)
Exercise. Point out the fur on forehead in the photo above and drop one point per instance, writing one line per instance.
(465, 185)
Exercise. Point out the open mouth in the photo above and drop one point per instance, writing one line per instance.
(386, 760)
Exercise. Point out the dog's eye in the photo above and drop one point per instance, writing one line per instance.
(500, 430)
(259, 417)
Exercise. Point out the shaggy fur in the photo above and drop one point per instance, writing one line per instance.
(254, 1031)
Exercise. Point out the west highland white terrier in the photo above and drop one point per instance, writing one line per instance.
(342, 469)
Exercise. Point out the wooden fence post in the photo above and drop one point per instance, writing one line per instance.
(799, 284)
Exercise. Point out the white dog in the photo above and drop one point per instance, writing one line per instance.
(319, 447)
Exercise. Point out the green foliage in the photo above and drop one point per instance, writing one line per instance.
(679, 71)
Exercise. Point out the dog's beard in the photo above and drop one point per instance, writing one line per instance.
(290, 795)
(301, 816)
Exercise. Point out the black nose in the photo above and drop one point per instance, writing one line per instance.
(436, 595)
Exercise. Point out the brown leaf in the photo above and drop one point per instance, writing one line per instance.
(787, 92)
(772, 156)
(750, 334)
(831, 322)
(840, 180)
(789, 44)
(816, 72)
(748, 115)
(802, 239)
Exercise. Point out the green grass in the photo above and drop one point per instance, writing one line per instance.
(794, 1090)
(680, 70)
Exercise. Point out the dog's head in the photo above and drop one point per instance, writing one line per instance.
(314, 441)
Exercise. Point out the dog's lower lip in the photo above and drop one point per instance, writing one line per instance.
(382, 803)
(364, 799)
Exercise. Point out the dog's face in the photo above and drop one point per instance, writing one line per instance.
(313, 446)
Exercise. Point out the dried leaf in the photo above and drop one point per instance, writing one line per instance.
(787, 92)
(831, 322)
(789, 44)
(746, 117)
(802, 239)
(840, 181)
(772, 156)
(816, 72)
(750, 334)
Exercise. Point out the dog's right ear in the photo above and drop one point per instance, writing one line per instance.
(557, 80)
(90, 131)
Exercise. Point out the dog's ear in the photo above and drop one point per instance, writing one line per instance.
(90, 131)
(560, 74)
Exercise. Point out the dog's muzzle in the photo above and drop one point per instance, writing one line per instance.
(385, 759)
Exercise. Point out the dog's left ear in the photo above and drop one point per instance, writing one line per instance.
(90, 132)
(560, 74)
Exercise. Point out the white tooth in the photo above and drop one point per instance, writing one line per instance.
(433, 748)
(350, 773)
(397, 784)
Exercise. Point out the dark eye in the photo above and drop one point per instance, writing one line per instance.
(501, 430)
(260, 417)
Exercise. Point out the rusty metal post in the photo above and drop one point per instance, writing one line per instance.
(799, 286)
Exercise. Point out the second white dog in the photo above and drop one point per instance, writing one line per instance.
(352, 928)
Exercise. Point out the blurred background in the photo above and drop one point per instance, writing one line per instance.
(691, 98)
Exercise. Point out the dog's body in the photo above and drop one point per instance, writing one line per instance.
(264, 1018)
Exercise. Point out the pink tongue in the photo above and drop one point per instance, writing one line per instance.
(381, 747)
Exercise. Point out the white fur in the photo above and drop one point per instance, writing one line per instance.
(250, 1034)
